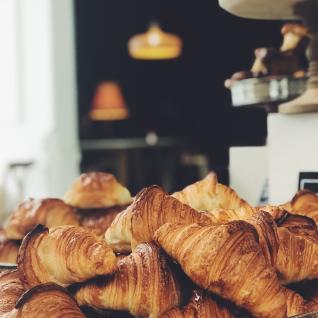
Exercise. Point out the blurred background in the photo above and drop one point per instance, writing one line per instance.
(63, 63)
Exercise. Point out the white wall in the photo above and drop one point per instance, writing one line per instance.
(47, 130)
(292, 148)
(248, 171)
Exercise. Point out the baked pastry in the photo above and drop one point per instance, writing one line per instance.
(99, 220)
(97, 190)
(63, 255)
(48, 212)
(208, 195)
(144, 285)
(11, 289)
(297, 257)
(200, 305)
(305, 203)
(152, 207)
(46, 301)
(8, 249)
(228, 261)
(297, 305)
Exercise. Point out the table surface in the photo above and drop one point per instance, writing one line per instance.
(261, 9)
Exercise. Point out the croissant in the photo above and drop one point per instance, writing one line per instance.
(46, 301)
(48, 212)
(10, 290)
(63, 255)
(8, 249)
(151, 208)
(227, 260)
(99, 220)
(144, 285)
(208, 195)
(263, 223)
(297, 305)
(201, 305)
(297, 257)
(305, 203)
(97, 190)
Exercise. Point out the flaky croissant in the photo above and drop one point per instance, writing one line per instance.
(144, 285)
(97, 190)
(48, 212)
(63, 255)
(228, 261)
(11, 289)
(297, 305)
(151, 208)
(201, 305)
(99, 220)
(8, 249)
(297, 257)
(46, 301)
(208, 195)
(305, 203)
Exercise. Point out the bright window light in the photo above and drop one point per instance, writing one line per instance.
(9, 83)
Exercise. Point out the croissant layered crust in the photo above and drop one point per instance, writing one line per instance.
(201, 305)
(297, 257)
(63, 255)
(144, 285)
(97, 190)
(48, 212)
(228, 261)
(151, 208)
(46, 301)
(11, 289)
(297, 305)
(208, 195)
(8, 249)
(99, 220)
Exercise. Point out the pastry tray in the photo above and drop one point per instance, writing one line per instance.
(266, 90)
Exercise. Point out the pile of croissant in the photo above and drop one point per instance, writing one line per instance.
(200, 252)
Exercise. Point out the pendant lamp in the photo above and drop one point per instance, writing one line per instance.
(108, 103)
(155, 44)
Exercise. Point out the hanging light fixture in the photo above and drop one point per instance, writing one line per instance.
(155, 44)
(108, 103)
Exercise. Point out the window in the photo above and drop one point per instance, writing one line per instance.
(9, 66)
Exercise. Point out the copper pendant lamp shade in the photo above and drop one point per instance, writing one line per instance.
(108, 103)
(155, 44)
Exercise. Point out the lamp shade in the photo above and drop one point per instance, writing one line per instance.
(108, 103)
(155, 44)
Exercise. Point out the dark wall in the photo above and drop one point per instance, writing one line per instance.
(183, 97)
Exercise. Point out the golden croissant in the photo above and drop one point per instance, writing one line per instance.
(297, 305)
(48, 212)
(151, 208)
(144, 285)
(228, 261)
(97, 190)
(200, 305)
(297, 257)
(11, 289)
(208, 195)
(46, 301)
(99, 220)
(63, 255)
(305, 203)
(262, 221)
(8, 249)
